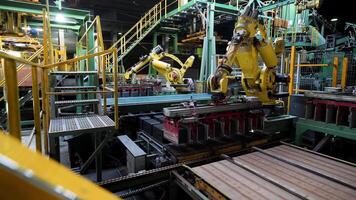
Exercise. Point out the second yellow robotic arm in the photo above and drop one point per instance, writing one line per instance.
(171, 74)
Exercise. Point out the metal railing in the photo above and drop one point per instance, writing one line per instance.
(12, 92)
(12, 96)
(296, 66)
(102, 55)
(141, 28)
(20, 67)
(302, 34)
(53, 60)
(348, 77)
(84, 41)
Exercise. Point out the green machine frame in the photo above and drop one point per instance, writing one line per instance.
(304, 125)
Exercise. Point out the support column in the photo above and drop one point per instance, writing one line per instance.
(78, 79)
(45, 109)
(151, 71)
(91, 64)
(344, 72)
(116, 91)
(91, 50)
(297, 81)
(98, 158)
(61, 43)
(36, 109)
(175, 44)
(208, 63)
(12, 99)
(291, 74)
(335, 68)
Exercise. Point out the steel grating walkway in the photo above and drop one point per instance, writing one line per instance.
(282, 172)
(75, 124)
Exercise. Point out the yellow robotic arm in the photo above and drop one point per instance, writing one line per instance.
(171, 74)
(248, 44)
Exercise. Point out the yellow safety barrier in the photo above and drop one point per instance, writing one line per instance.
(28, 175)
(291, 89)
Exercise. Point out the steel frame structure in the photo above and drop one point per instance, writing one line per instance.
(80, 16)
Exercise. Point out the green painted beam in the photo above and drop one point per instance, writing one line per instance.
(194, 2)
(55, 25)
(91, 61)
(298, 44)
(27, 123)
(182, 8)
(304, 125)
(151, 71)
(36, 8)
(225, 6)
(277, 4)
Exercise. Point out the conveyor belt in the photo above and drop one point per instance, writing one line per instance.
(282, 172)
(149, 100)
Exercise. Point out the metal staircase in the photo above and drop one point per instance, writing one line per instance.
(140, 30)
(21, 67)
(164, 13)
(83, 116)
(28, 96)
(74, 84)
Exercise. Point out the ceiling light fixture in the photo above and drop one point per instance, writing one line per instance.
(28, 28)
(334, 19)
(60, 18)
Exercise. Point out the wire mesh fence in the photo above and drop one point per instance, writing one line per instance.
(351, 70)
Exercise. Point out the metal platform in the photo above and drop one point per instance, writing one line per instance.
(79, 124)
(282, 172)
(164, 99)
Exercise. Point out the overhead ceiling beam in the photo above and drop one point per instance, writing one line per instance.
(57, 26)
(276, 4)
(36, 8)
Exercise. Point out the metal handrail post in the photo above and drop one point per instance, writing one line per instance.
(116, 96)
(344, 72)
(103, 74)
(291, 75)
(12, 99)
(44, 108)
(36, 109)
(335, 71)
